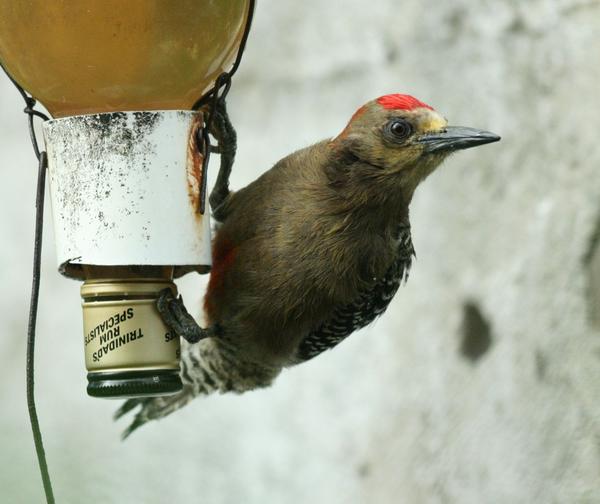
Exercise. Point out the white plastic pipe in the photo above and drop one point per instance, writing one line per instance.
(125, 190)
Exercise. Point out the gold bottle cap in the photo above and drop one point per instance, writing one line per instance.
(129, 351)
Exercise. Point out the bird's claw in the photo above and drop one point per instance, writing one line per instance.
(176, 316)
(222, 129)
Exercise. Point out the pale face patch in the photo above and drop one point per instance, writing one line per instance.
(429, 121)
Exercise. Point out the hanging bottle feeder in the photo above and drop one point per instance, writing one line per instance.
(127, 155)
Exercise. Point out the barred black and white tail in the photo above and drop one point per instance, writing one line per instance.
(208, 366)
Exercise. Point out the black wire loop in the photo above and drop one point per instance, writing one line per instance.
(32, 113)
(211, 98)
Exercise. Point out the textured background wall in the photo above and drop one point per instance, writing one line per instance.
(480, 383)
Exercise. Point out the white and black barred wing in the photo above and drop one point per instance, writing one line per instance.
(368, 306)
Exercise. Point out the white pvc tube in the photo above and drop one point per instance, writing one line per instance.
(125, 190)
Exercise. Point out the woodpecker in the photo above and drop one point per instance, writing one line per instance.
(308, 253)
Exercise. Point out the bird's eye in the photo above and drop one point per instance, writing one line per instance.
(399, 129)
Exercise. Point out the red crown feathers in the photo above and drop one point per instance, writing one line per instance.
(401, 101)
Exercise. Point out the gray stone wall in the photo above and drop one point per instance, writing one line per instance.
(479, 384)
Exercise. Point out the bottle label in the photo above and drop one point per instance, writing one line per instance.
(127, 335)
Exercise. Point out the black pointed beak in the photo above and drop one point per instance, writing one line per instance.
(455, 138)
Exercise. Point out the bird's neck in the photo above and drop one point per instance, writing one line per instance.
(378, 211)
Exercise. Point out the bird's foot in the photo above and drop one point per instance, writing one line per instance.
(222, 129)
(224, 132)
(176, 316)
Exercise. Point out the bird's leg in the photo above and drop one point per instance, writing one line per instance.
(222, 129)
(175, 315)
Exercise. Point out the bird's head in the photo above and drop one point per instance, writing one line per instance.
(395, 141)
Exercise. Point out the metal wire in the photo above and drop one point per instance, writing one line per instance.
(238, 59)
(35, 288)
(33, 308)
